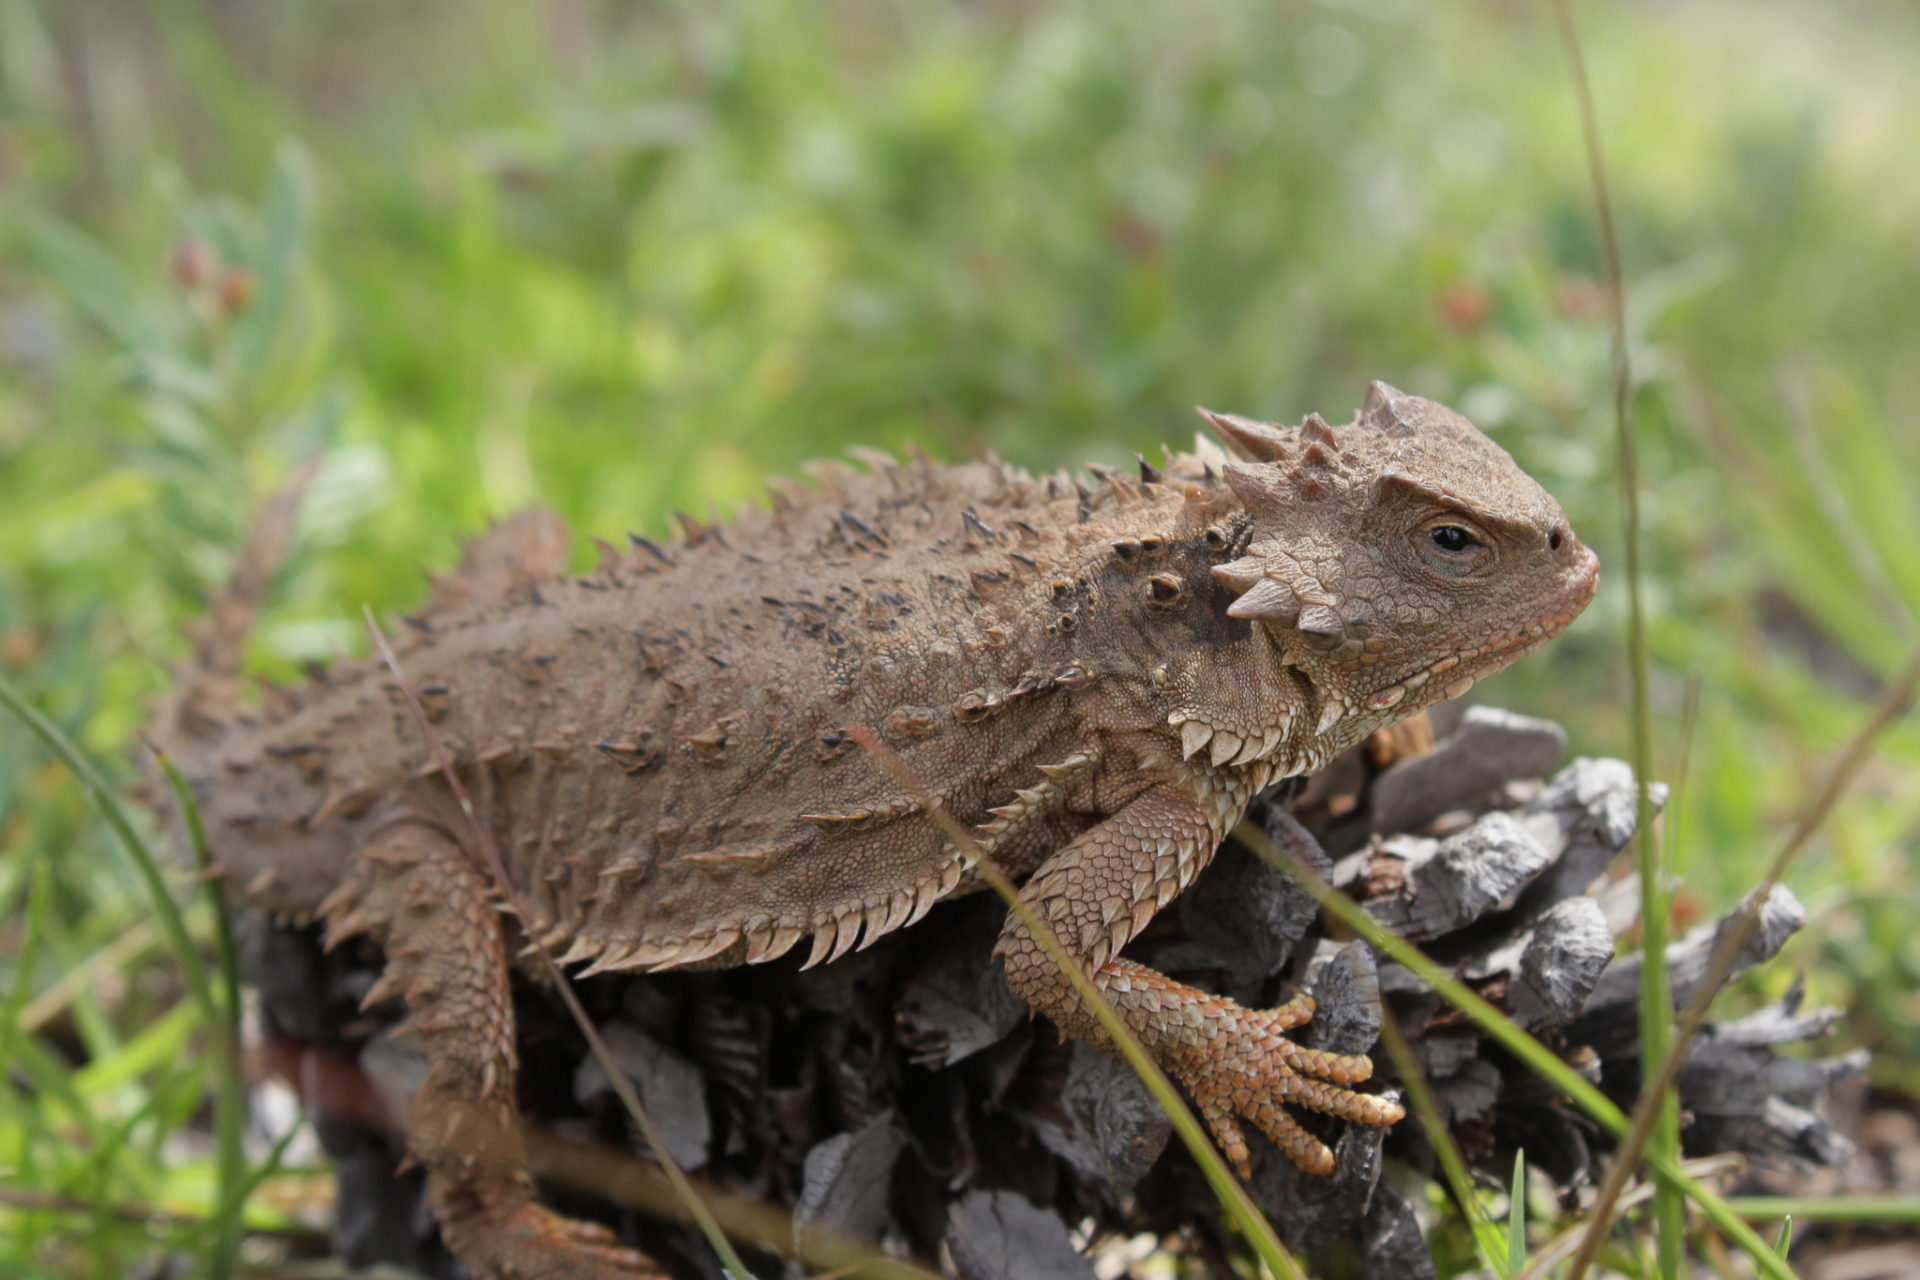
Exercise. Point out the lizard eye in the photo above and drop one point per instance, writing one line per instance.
(1453, 547)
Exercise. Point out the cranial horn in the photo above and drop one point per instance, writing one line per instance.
(1382, 405)
(1321, 627)
(1242, 574)
(1257, 486)
(1256, 441)
(1268, 600)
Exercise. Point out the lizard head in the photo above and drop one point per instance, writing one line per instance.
(1395, 560)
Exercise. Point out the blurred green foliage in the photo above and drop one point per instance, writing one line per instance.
(623, 258)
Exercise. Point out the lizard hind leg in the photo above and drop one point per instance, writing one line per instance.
(424, 901)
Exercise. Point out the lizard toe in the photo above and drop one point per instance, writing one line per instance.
(1227, 1136)
(1254, 1075)
(1335, 1068)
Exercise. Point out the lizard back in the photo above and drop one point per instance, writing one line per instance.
(661, 747)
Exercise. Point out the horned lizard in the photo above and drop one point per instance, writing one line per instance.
(1096, 679)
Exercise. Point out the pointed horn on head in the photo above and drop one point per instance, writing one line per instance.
(1258, 487)
(1321, 627)
(1269, 600)
(1255, 441)
(1382, 405)
(1240, 575)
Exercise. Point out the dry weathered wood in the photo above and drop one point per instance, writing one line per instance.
(1439, 886)
(670, 1088)
(1102, 1121)
(959, 1003)
(1561, 959)
(997, 1235)
(902, 1095)
(847, 1180)
(1469, 767)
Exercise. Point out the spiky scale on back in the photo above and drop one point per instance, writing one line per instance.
(661, 746)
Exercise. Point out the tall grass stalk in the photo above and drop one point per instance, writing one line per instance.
(1541, 1060)
(1226, 1187)
(1494, 1250)
(1727, 948)
(1656, 999)
(229, 1100)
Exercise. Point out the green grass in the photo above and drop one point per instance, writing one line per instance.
(501, 251)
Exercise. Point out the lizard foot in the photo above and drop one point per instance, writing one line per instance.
(1254, 1069)
(1237, 1063)
(534, 1243)
(425, 902)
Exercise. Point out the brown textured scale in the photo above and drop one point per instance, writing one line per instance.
(1096, 678)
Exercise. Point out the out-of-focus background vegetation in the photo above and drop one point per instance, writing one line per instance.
(619, 258)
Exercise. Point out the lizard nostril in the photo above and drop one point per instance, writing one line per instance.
(1556, 538)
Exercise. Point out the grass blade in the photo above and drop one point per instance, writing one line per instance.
(105, 802)
(1726, 953)
(1453, 1166)
(1517, 1216)
(1883, 1210)
(1226, 1187)
(1656, 1003)
(1582, 1092)
(230, 1095)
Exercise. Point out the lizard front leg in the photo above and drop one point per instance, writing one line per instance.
(415, 891)
(1096, 894)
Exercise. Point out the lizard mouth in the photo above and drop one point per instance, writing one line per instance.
(1460, 669)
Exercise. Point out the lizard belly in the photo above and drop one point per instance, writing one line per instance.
(665, 889)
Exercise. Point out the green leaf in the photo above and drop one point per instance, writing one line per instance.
(96, 282)
(261, 326)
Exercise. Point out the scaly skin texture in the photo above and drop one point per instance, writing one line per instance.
(1097, 680)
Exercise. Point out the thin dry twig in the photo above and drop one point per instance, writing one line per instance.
(1726, 952)
(1656, 1026)
(1561, 1247)
(616, 1176)
(1542, 1061)
(29, 1200)
(61, 993)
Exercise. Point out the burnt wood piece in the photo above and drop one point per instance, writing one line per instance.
(903, 1096)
